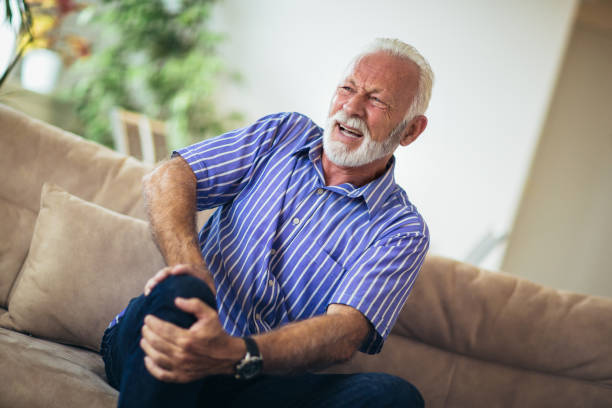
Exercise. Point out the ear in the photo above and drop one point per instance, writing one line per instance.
(415, 127)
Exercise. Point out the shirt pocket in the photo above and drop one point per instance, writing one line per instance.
(315, 281)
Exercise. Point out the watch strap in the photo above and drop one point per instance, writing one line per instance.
(251, 364)
(251, 347)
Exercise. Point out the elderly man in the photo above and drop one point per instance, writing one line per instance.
(308, 258)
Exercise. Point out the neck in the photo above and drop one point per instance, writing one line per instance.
(357, 176)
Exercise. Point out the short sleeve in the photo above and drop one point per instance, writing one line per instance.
(222, 165)
(379, 282)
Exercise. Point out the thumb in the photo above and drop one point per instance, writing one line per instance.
(194, 306)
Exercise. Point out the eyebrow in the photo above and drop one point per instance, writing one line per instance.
(352, 82)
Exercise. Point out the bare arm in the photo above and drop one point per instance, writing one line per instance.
(170, 197)
(174, 354)
(314, 343)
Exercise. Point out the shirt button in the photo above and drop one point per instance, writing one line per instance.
(272, 251)
(270, 283)
(319, 191)
(296, 221)
(257, 316)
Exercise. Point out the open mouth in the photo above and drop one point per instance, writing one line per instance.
(347, 131)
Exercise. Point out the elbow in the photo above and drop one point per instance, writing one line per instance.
(346, 353)
(154, 179)
(173, 178)
(148, 186)
(146, 183)
(151, 182)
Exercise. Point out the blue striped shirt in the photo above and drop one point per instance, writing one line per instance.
(282, 245)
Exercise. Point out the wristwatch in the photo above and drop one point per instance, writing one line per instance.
(251, 364)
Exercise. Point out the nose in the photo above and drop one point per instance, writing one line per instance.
(354, 105)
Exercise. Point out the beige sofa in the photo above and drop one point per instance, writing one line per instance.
(75, 248)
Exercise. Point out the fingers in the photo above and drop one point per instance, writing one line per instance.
(165, 359)
(163, 374)
(181, 268)
(162, 354)
(163, 274)
(153, 340)
(158, 351)
(195, 306)
(155, 370)
(165, 330)
(174, 354)
(173, 375)
(158, 277)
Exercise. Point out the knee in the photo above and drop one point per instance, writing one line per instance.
(393, 391)
(185, 286)
(160, 302)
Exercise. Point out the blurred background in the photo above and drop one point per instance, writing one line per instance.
(514, 171)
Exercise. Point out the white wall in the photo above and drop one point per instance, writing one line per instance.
(495, 64)
(563, 233)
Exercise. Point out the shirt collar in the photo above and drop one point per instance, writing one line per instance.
(311, 147)
(375, 193)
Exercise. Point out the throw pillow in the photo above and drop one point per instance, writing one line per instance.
(16, 230)
(85, 263)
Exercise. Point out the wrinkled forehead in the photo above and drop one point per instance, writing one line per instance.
(381, 57)
(384, 70)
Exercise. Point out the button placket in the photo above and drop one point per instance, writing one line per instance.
(300, 215)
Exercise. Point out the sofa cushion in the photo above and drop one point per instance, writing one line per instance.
(16, 229)
(84, 264)
(39, 373)
(448, 379)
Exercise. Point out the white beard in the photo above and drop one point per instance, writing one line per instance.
(368, 151)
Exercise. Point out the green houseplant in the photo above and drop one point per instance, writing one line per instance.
(33, 25)
(155, 57)
(15, 23)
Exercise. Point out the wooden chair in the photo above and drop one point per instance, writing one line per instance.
(139, 136)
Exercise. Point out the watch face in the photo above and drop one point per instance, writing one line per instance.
(251, 368)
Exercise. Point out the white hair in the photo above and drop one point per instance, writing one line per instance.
(402, 50)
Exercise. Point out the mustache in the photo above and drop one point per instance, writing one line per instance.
(355, 123)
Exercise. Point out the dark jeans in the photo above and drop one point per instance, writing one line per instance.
(126, 371)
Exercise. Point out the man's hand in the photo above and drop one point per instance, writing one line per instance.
(194, 270)
(174, 354)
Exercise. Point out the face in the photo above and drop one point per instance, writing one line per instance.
(345, 155)
(366, 116)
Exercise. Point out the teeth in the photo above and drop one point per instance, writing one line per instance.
(349, 131)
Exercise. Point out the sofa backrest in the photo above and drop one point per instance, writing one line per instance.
(33, 153)
(497, 317)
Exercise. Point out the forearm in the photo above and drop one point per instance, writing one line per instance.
(176, 354)
(314, 343)
(170, 197)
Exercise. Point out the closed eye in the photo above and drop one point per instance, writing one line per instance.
(378, 102)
